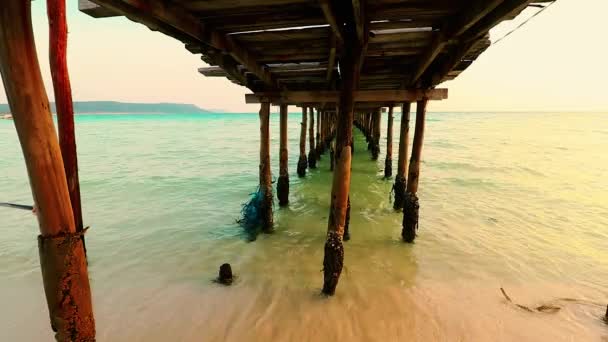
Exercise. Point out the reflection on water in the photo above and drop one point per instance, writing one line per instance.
(502, 206)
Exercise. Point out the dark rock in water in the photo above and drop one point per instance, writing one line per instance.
(225, 274)
(606, 317)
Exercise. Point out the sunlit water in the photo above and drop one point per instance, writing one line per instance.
(518, 201)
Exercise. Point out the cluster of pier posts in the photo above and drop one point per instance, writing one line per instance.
(53, 170)
(339, 123)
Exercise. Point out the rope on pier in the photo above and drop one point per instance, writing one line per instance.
(252, 214)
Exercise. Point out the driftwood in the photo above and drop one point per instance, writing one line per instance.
(553, 306)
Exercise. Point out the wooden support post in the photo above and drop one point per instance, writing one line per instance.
(62, 258)
(334, 249)
(400, 183)
(411, 205)
(283, 181)
(312, 157)
(265, 176)
(323, 132)
(303, 161)
(58, 40)
(388, 163)
(318, 137)
(368, 130)
(376, 134)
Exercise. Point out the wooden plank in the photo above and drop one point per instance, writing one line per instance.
(213, 71)
(397, 96)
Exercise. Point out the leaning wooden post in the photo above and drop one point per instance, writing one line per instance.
(283, 181)
(334, 249)
(399, 186)
(58, 40)
(312, 158)
(388, 162)
(376, 134)
(62, 258)
(265, 176)
(303, 162)
(411, 205)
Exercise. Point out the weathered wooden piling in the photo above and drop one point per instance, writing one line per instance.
(62, 257)
(303, 161)
(283, 181)
(333, 260)
(318, 137)
(376, 133)
(388, 162)
(58, 40)
(312, 156)
(411, 205)
(265, 175)
(347, 222)
(400, 182)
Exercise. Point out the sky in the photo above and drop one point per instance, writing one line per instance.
(556, 62)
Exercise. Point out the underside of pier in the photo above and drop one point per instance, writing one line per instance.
(343, 60)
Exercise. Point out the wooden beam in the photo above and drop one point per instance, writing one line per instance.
(213, 71)
(302, 97)
(429, 56)
(94, 10)
(475, 12)
(504, 10)
(153, 13)
(331, 63)
(359, 18)
(330, 16)
(227, 64)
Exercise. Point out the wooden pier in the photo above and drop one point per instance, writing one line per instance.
(341, 60)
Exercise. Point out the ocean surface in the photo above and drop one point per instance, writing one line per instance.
(511, 200)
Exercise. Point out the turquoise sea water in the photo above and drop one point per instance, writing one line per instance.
(513, 200)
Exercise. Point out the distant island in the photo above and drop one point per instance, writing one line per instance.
(89, 107)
